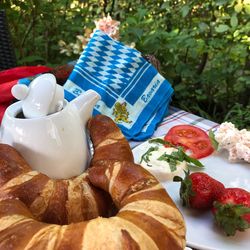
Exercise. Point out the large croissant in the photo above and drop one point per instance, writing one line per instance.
(147, 218)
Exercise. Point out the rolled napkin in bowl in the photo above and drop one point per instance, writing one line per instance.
(134, 94)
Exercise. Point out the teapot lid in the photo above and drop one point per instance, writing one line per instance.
(43, 97)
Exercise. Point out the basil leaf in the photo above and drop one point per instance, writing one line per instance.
(179, 155)
(215, 144)
(145, 156)
(194, 161)
(165, 157)
(170, 159)
(172, 165)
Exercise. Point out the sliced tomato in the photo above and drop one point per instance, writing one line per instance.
(200, 148)
(190, 138)
(168, 138)
(187, 131)
(175, 141)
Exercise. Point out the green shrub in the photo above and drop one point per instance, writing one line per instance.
(203, 46)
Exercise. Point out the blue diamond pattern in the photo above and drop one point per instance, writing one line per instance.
(121, 75)
(112, 63)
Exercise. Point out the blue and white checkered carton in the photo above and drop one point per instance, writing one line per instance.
(132, 91)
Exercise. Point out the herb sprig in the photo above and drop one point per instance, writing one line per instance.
(215, 144)
(179, 155)
(170, 159)
(145, 156)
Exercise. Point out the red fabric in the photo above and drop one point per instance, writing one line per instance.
(5, 91)
(5, 96)
(21, 72)
(8, 78)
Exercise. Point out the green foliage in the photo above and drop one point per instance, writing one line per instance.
(239, 115)
(203, 46)
(204, 49)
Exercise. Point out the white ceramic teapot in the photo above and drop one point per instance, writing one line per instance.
(47, 130)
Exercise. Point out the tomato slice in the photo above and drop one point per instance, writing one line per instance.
(187, 131)
(175, 141)
(200, 148)
(190, 138)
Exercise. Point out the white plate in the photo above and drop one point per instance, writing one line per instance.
(202, 233)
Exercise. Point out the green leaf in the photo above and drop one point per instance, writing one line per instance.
(247, 8)
(186, 190)
(177, 179)
(203, 26)
(236, 33)
(172, 165)
(165, 6)
(234, 20)
(221, 28)
(145, 156)
(142, 13)
(185, 10)
(131, 20)
(215, 144)
(179, 155)
(238, 7)
(230, 217)
(220, 2)
(161, 141)
(193, 161)
(170, 159)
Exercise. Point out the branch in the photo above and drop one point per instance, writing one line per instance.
(247, 62)
(186, 55)
(112, 7)
(31, 24)
(203, 63)
(105, 5)
(65, 9)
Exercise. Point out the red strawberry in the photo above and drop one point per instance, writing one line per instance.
(218, 189)
(232, 210)
(199, 190)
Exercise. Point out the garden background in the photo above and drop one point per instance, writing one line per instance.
(203, 46)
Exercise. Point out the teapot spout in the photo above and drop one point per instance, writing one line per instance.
(85, 104)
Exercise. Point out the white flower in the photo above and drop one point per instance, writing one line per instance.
(108, 26)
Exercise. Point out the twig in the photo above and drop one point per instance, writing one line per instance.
(112, 7)
(27, 31)
(203, 63)
(30, 26)
(186, 55)
(105, 5)
(65, 9)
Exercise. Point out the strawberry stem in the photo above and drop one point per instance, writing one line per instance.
(186, 190)
(230, 217)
